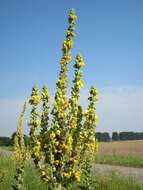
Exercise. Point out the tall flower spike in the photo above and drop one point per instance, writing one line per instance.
(59, 143)
(19, 146)
(34, 124)
(45, 97)
(72, 129)
(20, 153)
(87, 137)
(75, 94)
(60, 104)
(77, 85)
(90, 143)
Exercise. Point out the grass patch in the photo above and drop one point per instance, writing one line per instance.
(114, 181)
(114, 159)
(7, 172)
(7, 168)
(10, 148)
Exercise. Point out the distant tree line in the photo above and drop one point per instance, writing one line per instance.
(119, 136)
(5, 141)
(101, 137)
(123, 136)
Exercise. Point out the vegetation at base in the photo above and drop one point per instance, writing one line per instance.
(33, 181)
(9, 148)
(115, 181)
(116, 159)
(7, 171)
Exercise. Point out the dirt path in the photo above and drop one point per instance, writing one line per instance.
(136, 173)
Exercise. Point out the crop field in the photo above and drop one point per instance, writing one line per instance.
(134, 148)
(126, 153)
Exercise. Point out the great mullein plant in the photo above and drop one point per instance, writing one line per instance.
(62, 134)
(20, 153)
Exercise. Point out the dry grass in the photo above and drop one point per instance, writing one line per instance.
(125, 148)
(124, 153)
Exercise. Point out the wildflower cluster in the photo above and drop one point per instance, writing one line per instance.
(45, 97)
(34, 124)
(62, 134)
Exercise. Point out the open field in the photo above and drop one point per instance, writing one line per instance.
(134, 148)
(110, 181)
(126, 153)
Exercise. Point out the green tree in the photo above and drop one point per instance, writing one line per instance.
(115, 136)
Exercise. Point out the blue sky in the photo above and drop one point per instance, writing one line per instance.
(109, 36)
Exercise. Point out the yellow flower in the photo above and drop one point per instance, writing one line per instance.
(95, 118)
(52, 135)
(64, 147)
(63, 61)
(70, 140)
(56, 143)
(91, 147)
(81, 64)
(65, 48)
(80, 83)
(74, 100)
(61, 115)
(58, 132)
(82, 134)
(67, 174)
(66, 59)
(38, 143)
(35, 98)
(69, 44)
(37, 122)
(43, 173)
(73, 126)
(56, 162)
(72, 16)
(77, 176)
